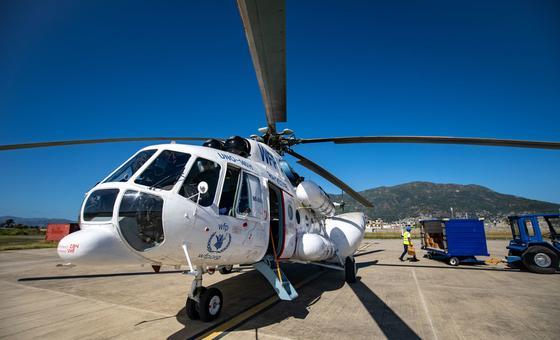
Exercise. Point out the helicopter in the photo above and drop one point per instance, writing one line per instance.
(233, 201)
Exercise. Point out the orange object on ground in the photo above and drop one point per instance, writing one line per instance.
(56, 231)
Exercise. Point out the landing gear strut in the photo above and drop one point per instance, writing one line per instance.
(204, 304)
(350, 269)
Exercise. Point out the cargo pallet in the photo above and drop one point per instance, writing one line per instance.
(454, 241)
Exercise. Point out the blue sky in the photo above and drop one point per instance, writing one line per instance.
(73, 70)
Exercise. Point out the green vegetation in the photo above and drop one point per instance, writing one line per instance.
(15, 242)
(21, 231)
(23, 237)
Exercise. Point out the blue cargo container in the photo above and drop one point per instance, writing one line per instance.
(454, 240)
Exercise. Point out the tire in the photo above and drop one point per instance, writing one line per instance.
(210, 306)
(350, 270)
(226, 269)
(191, 309)
(541, 260)
(454, 261)
(191, 306)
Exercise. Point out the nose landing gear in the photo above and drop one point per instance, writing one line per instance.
(202, 303)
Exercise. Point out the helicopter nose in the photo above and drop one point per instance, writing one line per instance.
(95, 246)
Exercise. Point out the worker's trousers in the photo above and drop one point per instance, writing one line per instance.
(405, 251)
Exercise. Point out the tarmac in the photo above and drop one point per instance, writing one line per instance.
(392, 299)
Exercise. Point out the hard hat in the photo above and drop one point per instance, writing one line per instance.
(408, 228)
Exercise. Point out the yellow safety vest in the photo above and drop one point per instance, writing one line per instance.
(405, 237)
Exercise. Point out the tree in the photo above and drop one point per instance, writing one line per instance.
(8, 223)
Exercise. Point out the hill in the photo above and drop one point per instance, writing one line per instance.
(37, 221)
(435, 200)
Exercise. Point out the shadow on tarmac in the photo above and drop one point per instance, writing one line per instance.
(388, 321)
(392, 326)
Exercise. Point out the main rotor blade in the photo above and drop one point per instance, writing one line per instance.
(330, 177)
(265, 28)
(436, 140)
(92, 141)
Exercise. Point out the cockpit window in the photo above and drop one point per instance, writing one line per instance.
(99, 205)
(140, 220)
(128, 169)
(164, 171)
(202, 170)
(294, 178)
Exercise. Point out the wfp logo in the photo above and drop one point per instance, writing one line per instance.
(219, 241)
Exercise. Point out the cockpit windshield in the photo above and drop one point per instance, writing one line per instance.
(128, 169)
(164, 171)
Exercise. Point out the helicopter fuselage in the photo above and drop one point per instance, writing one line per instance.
(151, 210)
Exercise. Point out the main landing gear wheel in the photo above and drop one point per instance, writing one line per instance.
(226, 269)
(191, 307)
(210, 304)
(454, 261)
(540, 260)
(350, 269)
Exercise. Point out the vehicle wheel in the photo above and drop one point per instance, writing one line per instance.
(210, 306)
(191, 309)
(226, 269)
(350, 269)
(539, 259)
(454, 261)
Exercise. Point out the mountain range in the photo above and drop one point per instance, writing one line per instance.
(34, 221)
(426, 199)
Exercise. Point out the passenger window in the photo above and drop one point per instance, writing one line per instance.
(128, 169)
(164, 171)
(228, 191)
(203, 170)
(250, 201)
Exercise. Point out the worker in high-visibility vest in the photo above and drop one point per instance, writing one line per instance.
(407, 242)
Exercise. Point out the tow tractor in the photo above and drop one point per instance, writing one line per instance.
(530, 247)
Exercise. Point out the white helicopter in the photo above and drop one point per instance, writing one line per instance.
(232, 201)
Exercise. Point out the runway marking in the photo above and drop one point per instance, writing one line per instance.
(424, 305)
(363, 247)
(223, 328)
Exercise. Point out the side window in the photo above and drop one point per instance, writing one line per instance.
(554, 223)
(515, 228)
(529, 228)
(164, 171)
(543, 225)
(250, 202)
(129, 168)
(228, 191)
(202, 170)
